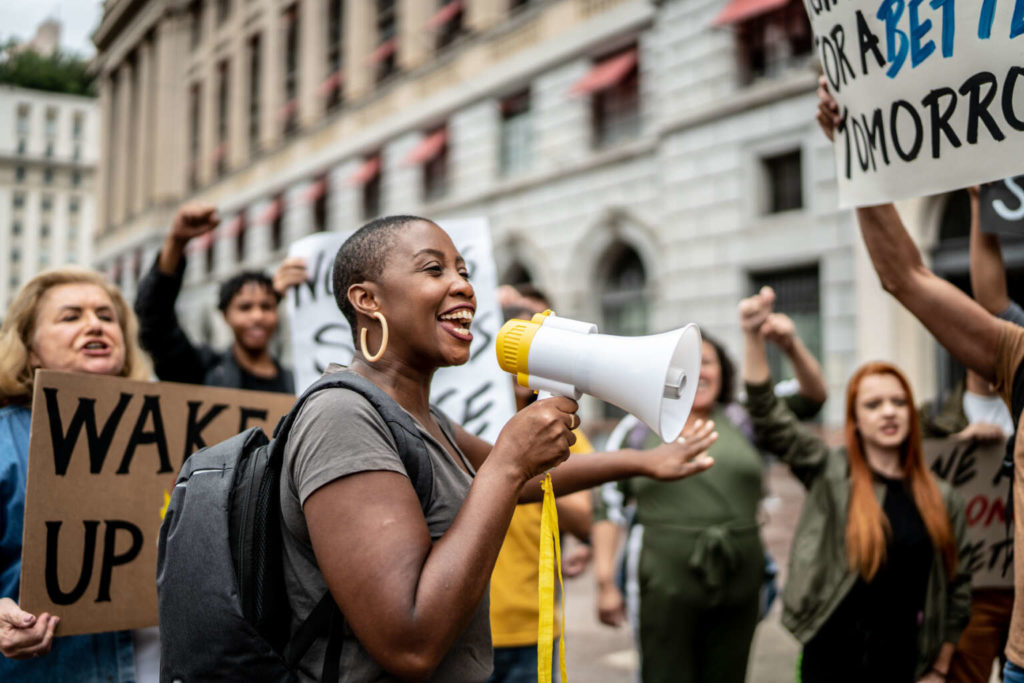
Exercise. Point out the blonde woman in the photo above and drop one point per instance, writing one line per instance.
(65, 319)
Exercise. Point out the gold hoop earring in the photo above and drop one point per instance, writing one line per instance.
(383, 342)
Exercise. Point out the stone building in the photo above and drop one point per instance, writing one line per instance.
(646, 162)
(48, 155)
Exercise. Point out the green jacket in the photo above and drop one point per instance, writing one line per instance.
(819, 574)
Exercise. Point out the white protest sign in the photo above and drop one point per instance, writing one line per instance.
(477, 395)
(975, 470)
(931, 93)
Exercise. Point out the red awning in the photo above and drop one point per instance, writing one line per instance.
(233, 227)
(740, 10)
(331, 83)
(444, 15)
(383, 51)
(201, 243)
(287, 110)
(272, 212)
(428, 148)
(606, 73)
(315, 191)
(367, 172)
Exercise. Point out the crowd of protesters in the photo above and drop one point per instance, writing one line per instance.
(876, 587)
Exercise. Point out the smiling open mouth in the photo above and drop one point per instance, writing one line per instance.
(460, 320)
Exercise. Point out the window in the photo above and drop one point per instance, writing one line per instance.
(18, 200)
(76, 153)
(44, 231)
(290, 111)
(16, 228)
(772, 42)
(44, 259)
(15, 255)
(48, 152)
(255, 74)
(784, 178)
(332, 85)
(194, 123)
(516, 154)
(434, 150)
(368, 179)
(51, 123)
(47, 176)
(73, 205)
(22, 145)
(319, 197)
(220, 151)
(239, 227)
(387, 30)
(77, 125)
(798, 295)
(448, 21)
(223, 10)
(47, 202)
(19, 174)
(22, 125)
(195, 12)
(76, 178)
(624, 307)
(615, 101)
(277, 224)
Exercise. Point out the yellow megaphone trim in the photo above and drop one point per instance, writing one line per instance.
(513, 345)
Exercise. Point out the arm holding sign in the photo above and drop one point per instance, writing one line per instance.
(23, 635)
(958, 322)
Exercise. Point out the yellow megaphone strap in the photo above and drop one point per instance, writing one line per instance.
(550, 561)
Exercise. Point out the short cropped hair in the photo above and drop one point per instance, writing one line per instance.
(362, 257)
(230, 288)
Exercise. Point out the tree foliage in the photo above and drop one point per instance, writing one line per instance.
(61, 72)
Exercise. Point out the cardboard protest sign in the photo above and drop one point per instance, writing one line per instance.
(975, 470)
(931, 93)
(1002, 207)
(103, 456)
(477, 395)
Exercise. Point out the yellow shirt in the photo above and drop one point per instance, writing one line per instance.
(514, 581)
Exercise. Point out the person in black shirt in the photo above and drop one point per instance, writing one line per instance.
(248, 301)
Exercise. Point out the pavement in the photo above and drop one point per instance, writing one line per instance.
(599, 654)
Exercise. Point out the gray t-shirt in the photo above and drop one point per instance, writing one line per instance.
(338, 433)
(1014, 313)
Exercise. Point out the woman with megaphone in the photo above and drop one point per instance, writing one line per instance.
(874, 591)
(411, 581)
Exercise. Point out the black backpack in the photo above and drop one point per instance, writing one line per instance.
(224, 614)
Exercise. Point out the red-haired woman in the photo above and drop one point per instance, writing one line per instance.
(874, 592)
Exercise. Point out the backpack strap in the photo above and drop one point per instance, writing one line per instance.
(326, 617)
(411, 448)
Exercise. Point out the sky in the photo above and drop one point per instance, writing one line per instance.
(19, 18)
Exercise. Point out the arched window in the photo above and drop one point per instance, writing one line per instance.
(624, 306)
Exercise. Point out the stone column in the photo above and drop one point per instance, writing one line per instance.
(480, 15)
(238, 102)
(143, 128)
(415, 40)
(119, 147)
(312, 58)
(170, 110)
(360, 40)
(298, 213)
(343, 206)
(272, 65)
(105, 168)
(257, 237)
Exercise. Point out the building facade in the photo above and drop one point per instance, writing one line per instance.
(648, 163)
(48, 156)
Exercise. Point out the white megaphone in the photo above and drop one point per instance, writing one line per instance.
(653, 377)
